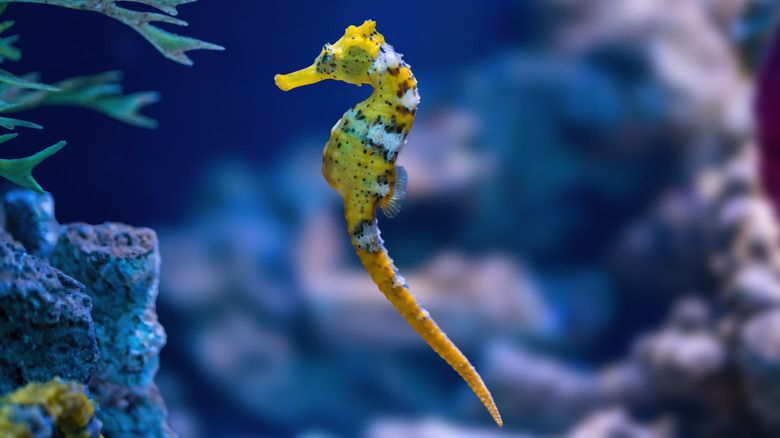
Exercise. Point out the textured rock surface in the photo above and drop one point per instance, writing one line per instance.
(126, 410)
(45, 323)
(29, 217)
(120, 267)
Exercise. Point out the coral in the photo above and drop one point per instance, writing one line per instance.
(45, 321)
(422, 429)
(120, 267)
(46, 317)
(759, 360)
(29, 217)
(706, 249)
(46, 410)
(100, 92)
(131, 411)
(110, 258)
(617, 423)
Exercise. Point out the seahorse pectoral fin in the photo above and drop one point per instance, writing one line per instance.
(306, 76)
(393, 206)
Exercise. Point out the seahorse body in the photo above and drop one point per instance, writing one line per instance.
(359, 162)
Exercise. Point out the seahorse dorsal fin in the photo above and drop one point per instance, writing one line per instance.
(393, 206)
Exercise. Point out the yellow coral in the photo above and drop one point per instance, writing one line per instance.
(62, 402)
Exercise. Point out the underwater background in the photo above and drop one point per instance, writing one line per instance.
(584, 217)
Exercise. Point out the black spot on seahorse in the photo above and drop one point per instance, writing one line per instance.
(382, 150)
(403, 88)
(394, 129)
(402, 109)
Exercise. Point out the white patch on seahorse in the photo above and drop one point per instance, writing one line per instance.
(391, 141)
(382, 189)
(386, 59)
(336, 126)
(395, 148)
(423, 315)
(398, 280)
(410, 99)
(369, 239)
(360, 126)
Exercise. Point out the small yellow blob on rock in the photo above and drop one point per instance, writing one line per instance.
(63, 403)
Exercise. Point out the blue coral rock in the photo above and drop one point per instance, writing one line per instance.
(29, 218)
(46, 326)
(132, 411)
(120, 267)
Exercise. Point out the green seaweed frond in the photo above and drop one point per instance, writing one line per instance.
(23, 82)
(101, 92)
(11, 53)
(171, 45)
(19, 170)
(7, 49)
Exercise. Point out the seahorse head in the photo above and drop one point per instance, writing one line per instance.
(350, 59)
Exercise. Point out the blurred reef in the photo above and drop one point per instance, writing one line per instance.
(584, 217)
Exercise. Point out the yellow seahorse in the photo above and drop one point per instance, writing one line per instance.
(359, 162)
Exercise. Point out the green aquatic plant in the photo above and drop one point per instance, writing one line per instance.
(172, 46)
(101, 92)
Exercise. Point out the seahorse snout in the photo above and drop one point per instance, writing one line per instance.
(306, 76)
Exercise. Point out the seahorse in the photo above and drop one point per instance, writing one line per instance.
(359, 162)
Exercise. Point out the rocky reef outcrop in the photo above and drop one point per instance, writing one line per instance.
(45, 321)
(82, 307)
